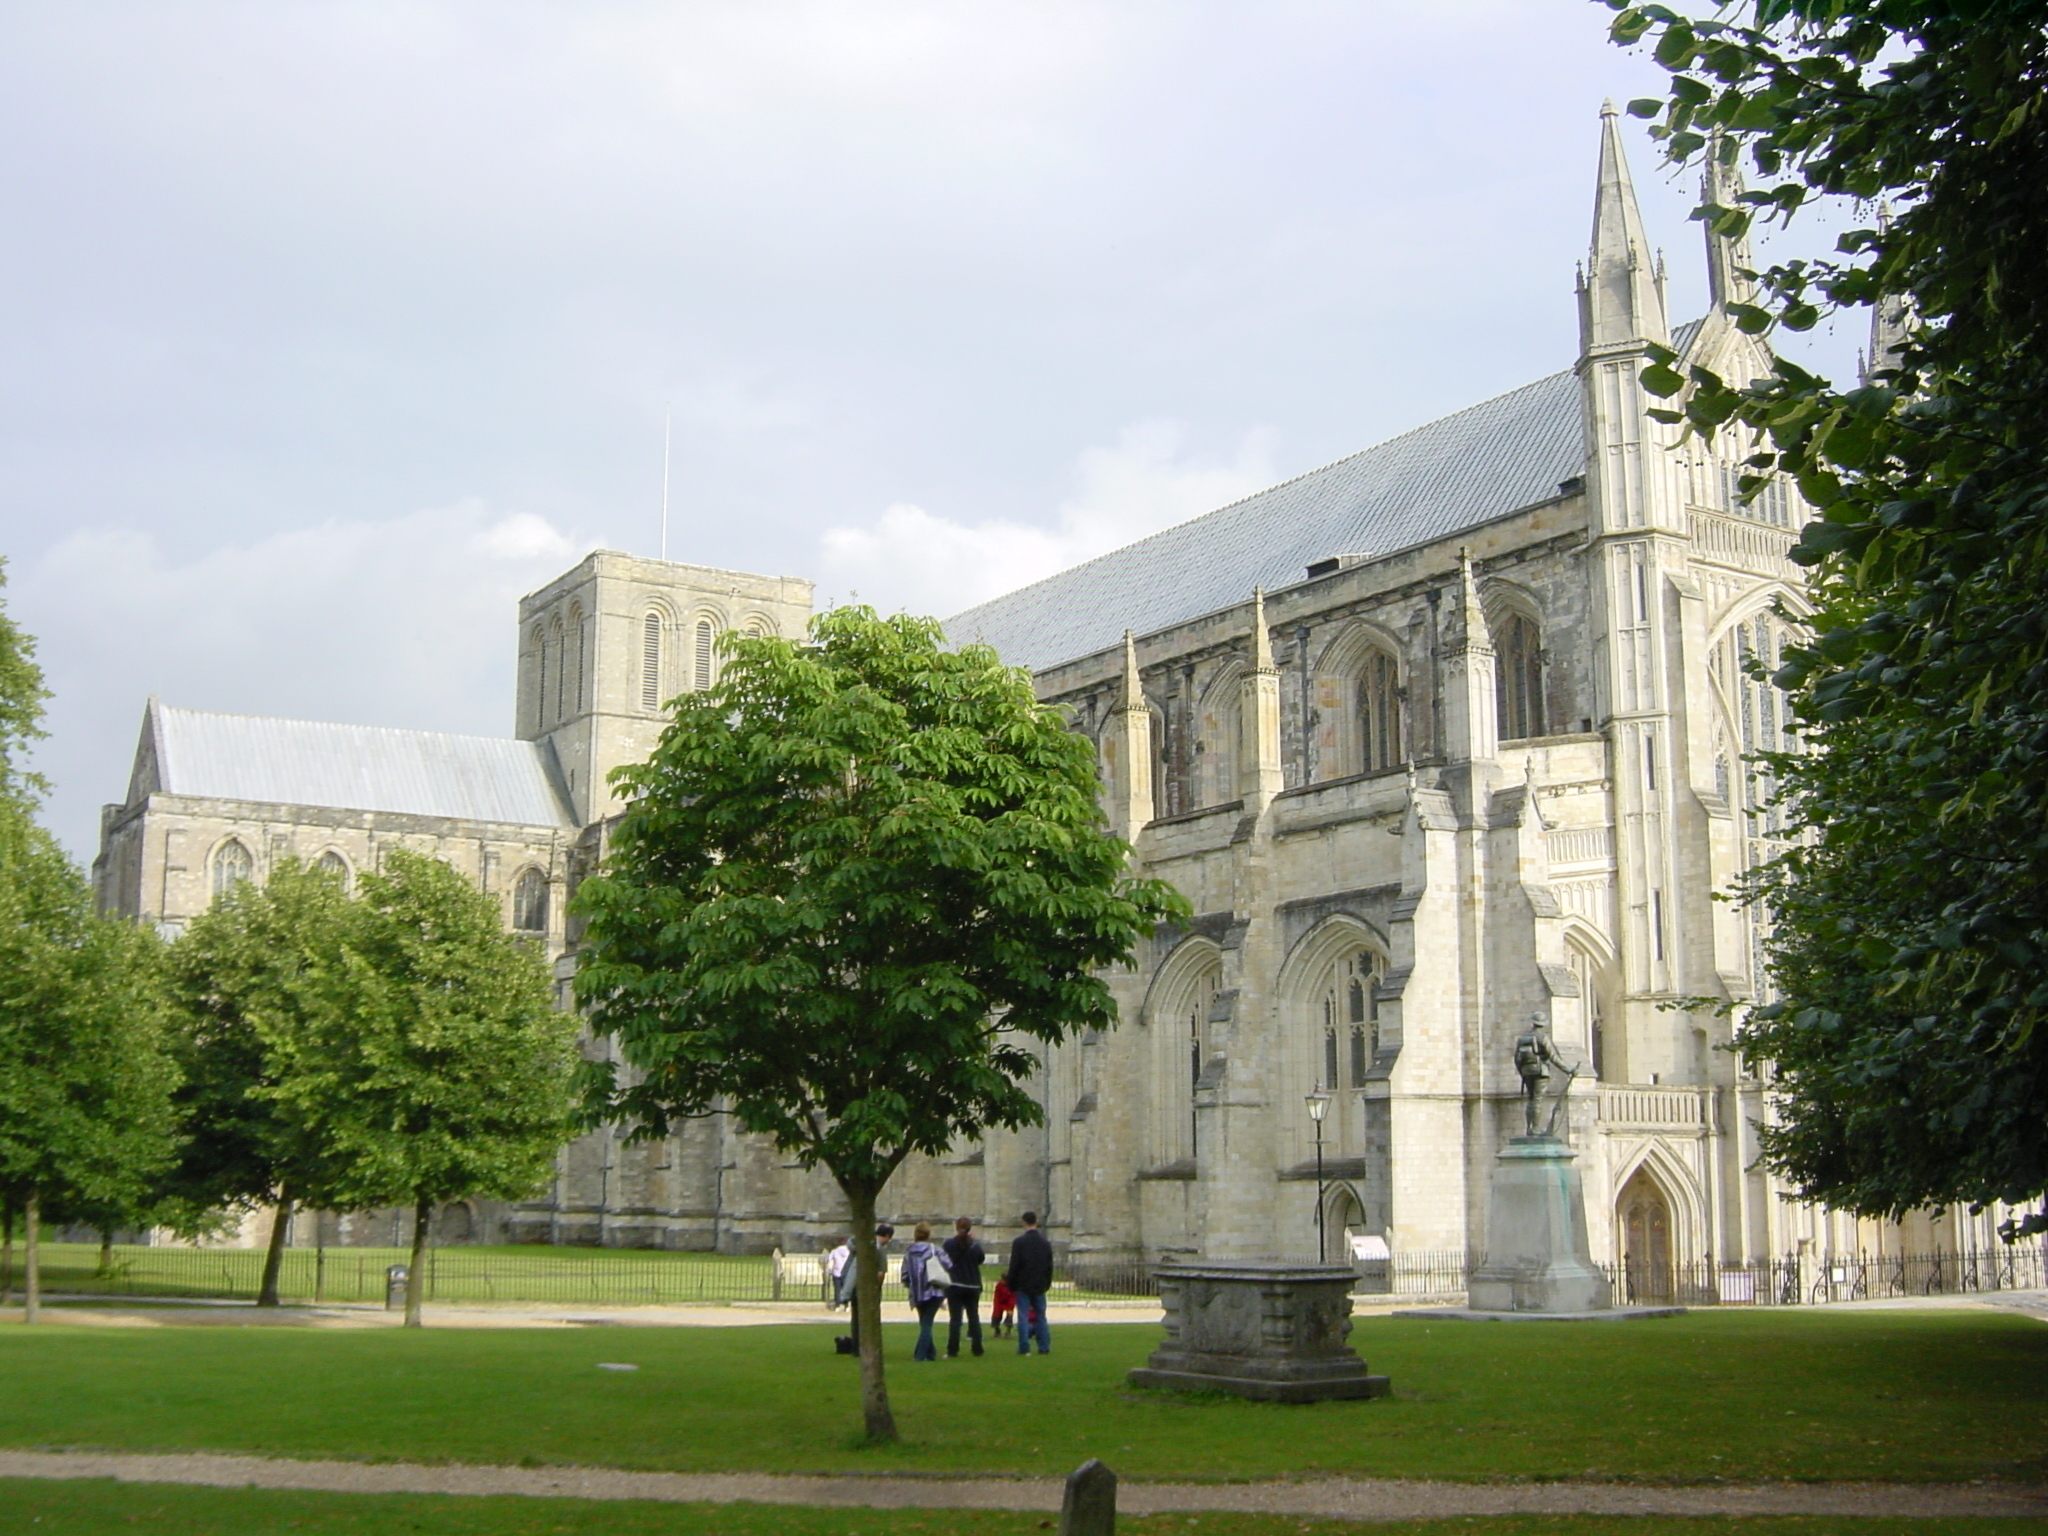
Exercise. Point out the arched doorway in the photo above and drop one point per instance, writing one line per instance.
(1643, 1217)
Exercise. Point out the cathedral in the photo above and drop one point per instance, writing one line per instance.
(1442, 738)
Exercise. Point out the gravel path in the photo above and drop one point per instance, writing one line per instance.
(1377, 1500)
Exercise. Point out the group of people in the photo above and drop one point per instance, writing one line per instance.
(948, 1274)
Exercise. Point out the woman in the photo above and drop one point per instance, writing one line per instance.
(924, 1275)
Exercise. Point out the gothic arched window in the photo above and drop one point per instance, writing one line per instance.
(332, 863)
(530, 903)
(542, 694)
(1520, 684)
(1379, 711)
(705, 635)
(232, 864)
(1184, 1028)
(650, 662)
(1351, 1020)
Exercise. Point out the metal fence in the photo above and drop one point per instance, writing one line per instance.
(626, 1277)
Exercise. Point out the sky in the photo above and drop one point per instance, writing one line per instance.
(330, 329)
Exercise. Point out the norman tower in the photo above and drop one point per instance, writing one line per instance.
(604, 647)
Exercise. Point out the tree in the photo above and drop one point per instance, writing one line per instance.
(251, 972)
(423, 1058)
(86, 1073)
(1910, 940)
(858, 879)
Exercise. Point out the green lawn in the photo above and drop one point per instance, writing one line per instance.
(93, 1508)
(1833, 1395)
(592, 1276)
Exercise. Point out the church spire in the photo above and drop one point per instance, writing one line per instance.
(1619, 301)
(1131, 755)
(1728, 256)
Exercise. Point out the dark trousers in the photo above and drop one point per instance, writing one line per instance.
(926, 1312)
(963, 1302)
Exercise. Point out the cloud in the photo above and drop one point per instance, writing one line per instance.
(913, 559)
(407, 621)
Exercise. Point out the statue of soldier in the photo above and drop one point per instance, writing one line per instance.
(1534, 1057)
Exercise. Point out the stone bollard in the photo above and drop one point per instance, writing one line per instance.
(1089, 1508)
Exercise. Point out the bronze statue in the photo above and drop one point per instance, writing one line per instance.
(1535, 1055)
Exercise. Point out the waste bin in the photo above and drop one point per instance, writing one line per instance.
(394, 1288)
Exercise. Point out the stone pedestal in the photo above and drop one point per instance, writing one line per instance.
(1537, 1257)
(1264, 1330)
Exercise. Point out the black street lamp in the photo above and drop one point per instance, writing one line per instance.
(1318, 1101)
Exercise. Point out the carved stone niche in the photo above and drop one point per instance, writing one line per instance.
(1257, 1329)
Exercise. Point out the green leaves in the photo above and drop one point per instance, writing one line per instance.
(1908, 929)
(840, 865)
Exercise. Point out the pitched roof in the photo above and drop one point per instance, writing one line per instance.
(1486, 460)
(351, 767)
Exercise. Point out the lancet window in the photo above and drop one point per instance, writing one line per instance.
(650, 662)
(706, 634)
(1520, 679)
(1379, 712)
(1183, 1045)
(332, 863)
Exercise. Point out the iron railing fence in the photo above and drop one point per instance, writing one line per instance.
(625, 1277)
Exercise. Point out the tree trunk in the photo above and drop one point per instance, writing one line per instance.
(867, 1307)
(273, 1259)
(6, 1253)
(416, 1275)
(106, 1266)
(32, 1257)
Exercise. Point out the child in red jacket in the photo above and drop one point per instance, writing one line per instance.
(1002, 1310)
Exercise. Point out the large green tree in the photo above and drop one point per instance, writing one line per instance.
(860, 881)
(422, 1058)
(250, 976)
(1910, 947)
(86, 1076)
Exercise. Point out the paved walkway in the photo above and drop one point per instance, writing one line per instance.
(1343, 1499)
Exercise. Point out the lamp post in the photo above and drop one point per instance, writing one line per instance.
(1318, 1101)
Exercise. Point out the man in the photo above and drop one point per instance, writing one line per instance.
(1030, 1276)
(963, 1292)
(849, 1283)
(836, 1264)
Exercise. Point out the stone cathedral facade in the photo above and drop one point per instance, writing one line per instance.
(1437, 739)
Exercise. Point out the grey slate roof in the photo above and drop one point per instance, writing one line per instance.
(354, 767)
(1486, 460)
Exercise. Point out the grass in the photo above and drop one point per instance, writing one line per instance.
(1908, 1396)
(513, 1273)
(519, 1273)
(93, 1508)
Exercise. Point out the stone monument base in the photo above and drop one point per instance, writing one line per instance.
(1270, 1331)
(1537, 1258)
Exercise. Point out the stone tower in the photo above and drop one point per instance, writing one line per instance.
(604, 646)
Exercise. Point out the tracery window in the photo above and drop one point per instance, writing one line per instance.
(530, 903)
(1351, 1019)
(1519, 687)
(232, 864)
(1379, 710)
(1743, 663)
(332, 863)
(650, 662)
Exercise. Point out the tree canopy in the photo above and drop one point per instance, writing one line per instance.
(421, 1059)
(1909, 952)
(249, 973)
(86, 1075)
(859, 883)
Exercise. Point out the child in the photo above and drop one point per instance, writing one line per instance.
(1002, 1309)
